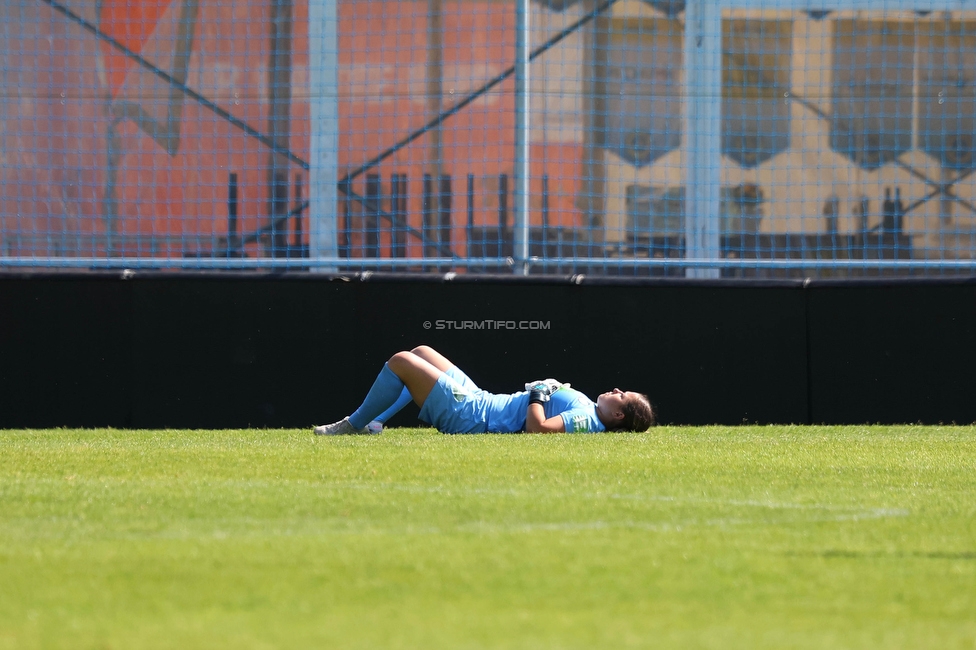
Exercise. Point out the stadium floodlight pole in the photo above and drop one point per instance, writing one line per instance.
(523, 105)
(703, 79)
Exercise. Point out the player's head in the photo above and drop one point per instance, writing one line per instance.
(625, 410)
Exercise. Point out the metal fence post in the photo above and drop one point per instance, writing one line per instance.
(523, 96)
(703, 135)
(323, 81)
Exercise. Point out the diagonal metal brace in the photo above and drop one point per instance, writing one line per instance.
(453, 110)
(940, 188)
(175, 83)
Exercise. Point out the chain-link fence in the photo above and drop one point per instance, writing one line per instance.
(716, 138)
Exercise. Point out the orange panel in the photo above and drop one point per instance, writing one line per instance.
(130, 22)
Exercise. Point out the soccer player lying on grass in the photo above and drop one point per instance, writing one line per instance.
(450, 401)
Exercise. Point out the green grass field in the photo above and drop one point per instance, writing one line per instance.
(717, 537)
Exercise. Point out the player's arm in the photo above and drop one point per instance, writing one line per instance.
(535, 415)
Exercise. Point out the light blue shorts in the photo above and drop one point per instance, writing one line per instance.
(454, 404)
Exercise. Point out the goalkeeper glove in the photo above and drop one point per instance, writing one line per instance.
(548, 386)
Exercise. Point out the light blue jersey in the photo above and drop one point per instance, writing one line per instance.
(577, 410)
(457, 405)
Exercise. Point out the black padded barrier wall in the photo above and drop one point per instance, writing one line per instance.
(225, 350)
(65, 351)
(900, 352)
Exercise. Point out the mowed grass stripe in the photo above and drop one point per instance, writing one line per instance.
(688, 537)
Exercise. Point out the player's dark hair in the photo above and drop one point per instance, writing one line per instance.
(638, 414)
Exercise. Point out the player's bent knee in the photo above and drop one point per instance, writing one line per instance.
(400, 360)
(422, 350)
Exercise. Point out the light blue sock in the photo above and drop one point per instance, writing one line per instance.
(384, 392)
(404, 399)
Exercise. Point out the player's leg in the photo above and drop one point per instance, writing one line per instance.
(440, 361)
(416, 373)
(437, 360)
(404, 399)
(433, 357)
(404, 369)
